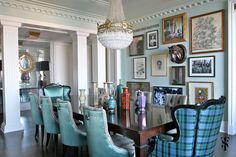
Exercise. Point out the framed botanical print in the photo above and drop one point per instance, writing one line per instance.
(152, 40)
(201, 66)
(207, 32)
(159, 65)
(177, 75)
(140, 68)
(136, 48)
(174, 29)
(199, 92)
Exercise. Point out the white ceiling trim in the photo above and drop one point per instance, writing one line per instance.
(68, 13)
(53, 10)
(170, 11)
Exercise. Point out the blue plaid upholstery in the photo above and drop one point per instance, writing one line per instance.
(187, 120)
(208, 129)
(198, 128)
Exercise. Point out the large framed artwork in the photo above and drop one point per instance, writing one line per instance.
(177, 75)
(159, 93)
(159, 65)
(152, 40)
(140, 68)
(135, 86)
(201, 66)
(136, 48)
(174, 29)
(207, 32)
(199, 92)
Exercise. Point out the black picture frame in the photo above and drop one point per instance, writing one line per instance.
(139, 68)
(201, 66)
(136, 48)
(152, 40)
(177, 75)
(159, 93)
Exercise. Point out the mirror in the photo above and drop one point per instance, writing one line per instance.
(26, 62)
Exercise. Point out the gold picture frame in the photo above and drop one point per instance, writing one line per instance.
(199, 92)
(207, 32)
(174, 29)
(26, 62)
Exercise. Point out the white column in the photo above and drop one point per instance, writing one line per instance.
(80, 62)
(11, 74)
(98, 61)
(231, 129)
(113, 67)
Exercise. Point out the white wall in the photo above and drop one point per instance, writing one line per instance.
(60, 63)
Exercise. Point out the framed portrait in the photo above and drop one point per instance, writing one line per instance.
(159, 65)
(135, 86)
(140, 68)
(174, 29)
(201, 66)
(207, 32)
(159, 93)
(177, 75)
(199, 92)
(136, 48)
(152, 40)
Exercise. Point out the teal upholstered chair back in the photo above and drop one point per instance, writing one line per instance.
(210, 118)
(35, 110)
(56, 91)
(100, 143)
(71, 135)
(49, 119)
(197, 130)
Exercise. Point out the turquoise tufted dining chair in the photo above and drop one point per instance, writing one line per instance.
(49, 118)
(56, 91)
(36, 114)
(197, 130)
(71, 134)
(100, 143)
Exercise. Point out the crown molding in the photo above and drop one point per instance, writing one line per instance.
(52, 10)
(170, 11)
(72, 14)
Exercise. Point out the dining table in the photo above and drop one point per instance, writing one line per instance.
(140, 126)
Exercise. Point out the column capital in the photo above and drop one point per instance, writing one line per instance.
(10, 23)
(79, 34)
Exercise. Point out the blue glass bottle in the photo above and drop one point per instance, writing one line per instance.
(111, 104)
(118, 93)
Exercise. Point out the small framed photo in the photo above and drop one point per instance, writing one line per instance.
(152, 40)
(159, 65)
(140, 68)
(207, 32)
(174, 29)
(201, 66)
(136, 48)
(177, 75)
(199, 92)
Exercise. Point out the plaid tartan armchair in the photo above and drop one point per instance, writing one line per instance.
(197, 130)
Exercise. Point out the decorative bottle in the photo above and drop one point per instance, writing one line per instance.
(125, 99)
(82, 96)
(111, 104)
(94, 94)
(141, 102)
(118, 93)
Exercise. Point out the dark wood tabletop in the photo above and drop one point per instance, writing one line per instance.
(142, 127)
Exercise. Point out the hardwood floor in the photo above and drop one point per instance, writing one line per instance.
(23, 144)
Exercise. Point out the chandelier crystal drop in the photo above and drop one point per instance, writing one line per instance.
(116, 32)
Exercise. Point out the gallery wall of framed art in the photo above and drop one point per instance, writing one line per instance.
(172, 55)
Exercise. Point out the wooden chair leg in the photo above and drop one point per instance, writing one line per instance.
(36, 132)
(76, 151)
(42, 132)
(64, 150)
(48, 137)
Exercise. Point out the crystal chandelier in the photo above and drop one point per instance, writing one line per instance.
(116, 32)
